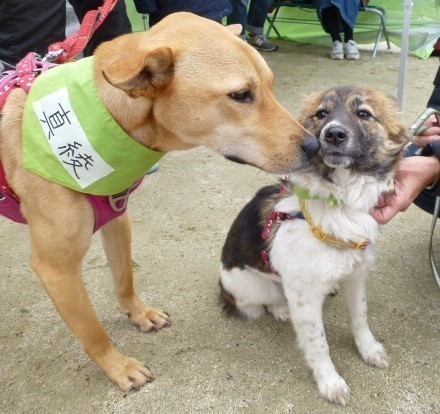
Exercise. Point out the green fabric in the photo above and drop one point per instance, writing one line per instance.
(304, 193)
(137, 24)
(56, 150)
(425, 25)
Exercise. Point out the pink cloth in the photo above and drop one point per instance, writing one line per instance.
(105, 208)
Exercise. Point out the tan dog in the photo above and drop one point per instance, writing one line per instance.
(186, 82)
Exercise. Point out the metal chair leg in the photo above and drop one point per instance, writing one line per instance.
(272, 23)
(379, 11)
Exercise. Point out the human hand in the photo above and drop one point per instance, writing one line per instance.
(413, 175)
(431, 134)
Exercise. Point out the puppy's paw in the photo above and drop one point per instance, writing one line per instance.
(280, 312)
(335, 389)
(375, 355)
(251, 311)
(149, 319)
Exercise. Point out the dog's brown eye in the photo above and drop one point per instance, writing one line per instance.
(364, 114)
(242, 96)
(321, 114)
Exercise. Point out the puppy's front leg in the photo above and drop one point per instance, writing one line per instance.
(57, 255)
(306, 313)
(116, 238)
(353, 290)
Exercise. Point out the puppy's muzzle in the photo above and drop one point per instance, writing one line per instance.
(336, 135)
(310, 146)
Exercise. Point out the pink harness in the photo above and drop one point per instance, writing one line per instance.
(105, 208)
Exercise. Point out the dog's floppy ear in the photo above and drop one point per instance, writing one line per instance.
(141, 74)
(235, 28)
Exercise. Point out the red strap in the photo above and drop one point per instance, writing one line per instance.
(70, 48)
(27, 69)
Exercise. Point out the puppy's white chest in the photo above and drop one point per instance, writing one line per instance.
(297, 253)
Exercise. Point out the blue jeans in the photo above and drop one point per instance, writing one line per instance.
(252, 20)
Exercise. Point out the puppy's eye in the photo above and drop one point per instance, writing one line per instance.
(242, 96)
(364, 114)
(321, 114)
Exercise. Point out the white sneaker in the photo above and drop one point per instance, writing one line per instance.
(337, 51)
(351, 51)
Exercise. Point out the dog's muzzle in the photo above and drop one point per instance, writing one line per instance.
(335, 135)
(335, 146)
(311, 146)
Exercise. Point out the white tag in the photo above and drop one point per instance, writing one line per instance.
(68, 140)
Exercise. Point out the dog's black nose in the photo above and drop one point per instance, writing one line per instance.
(311, 146)
(336, 135)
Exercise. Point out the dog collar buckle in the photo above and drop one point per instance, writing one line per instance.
(118, 202)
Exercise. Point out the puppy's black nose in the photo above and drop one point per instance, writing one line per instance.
(336, 135)
(311, 146)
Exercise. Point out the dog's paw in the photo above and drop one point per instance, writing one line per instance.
(335, 390)
(280, 312)
(130, 374)
(251, 311)
(375, 355)
(149, 319)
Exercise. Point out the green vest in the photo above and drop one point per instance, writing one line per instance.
(70, 138)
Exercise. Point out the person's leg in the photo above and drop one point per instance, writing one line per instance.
(257, 15)
(347, 16)
(255, 26)
(348, 32)
(239, 14)
(30, 26)
(351, 50)
(116, 23)
(331, 23)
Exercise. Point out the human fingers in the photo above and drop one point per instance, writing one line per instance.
(383, 215)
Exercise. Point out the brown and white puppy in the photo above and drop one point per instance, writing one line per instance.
(186, 82)
(285, 263)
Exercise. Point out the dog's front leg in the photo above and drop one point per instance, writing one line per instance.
(116, 238)
(353, 290)
(57, 256)
(306, 312)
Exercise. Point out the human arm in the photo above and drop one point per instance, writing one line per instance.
(414, 174)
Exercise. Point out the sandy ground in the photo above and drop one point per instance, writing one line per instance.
(206, 363)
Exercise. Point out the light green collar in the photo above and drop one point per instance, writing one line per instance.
(69, 136)
(304, 193)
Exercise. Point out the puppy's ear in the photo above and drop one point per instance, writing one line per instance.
(143, 74)
(391, 120)
(235, 28)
